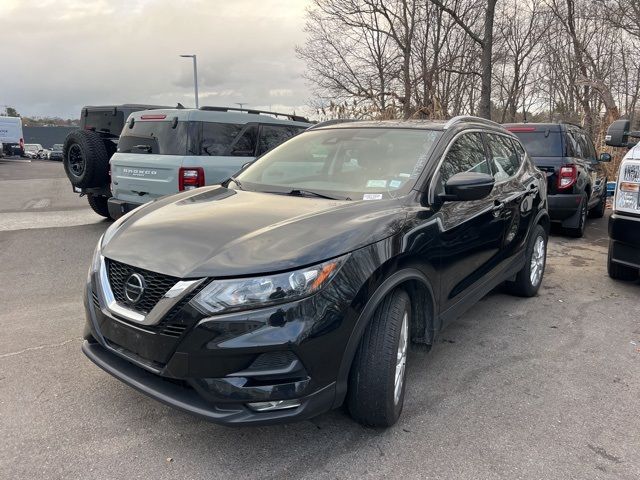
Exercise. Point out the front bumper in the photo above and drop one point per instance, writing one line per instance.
(118, 208)
(189, 400)
(214, 367)
(624, 232)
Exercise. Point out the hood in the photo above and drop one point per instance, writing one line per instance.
(220, 232)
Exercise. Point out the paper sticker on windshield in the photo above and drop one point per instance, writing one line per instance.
(395, 183)
(372, 196)
(377, 184)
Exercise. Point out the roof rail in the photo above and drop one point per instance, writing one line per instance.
(293, 118)
(327, 123)
(469, 118)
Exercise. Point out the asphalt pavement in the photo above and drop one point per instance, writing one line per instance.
(541, 388)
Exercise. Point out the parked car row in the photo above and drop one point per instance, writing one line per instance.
(274, 290)
(124, 156)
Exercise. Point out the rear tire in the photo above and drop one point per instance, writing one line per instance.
(617, 271)
(99, 205)
(85, 159)
(377, 378)
(529, 279)
(584, 209)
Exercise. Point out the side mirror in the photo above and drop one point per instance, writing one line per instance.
(468, 186)
(605, 157)
(618, 133)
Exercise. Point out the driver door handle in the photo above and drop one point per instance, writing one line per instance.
(497, 208)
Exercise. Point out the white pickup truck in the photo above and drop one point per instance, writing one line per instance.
(624, 223)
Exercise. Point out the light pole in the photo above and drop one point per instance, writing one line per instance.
(195, 75)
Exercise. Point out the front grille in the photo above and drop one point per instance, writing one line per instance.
(96, 302)
(156, 285)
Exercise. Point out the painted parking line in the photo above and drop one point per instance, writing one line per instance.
(30, 220)
(15, 160)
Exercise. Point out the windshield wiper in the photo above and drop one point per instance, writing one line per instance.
(308, 193)
(236, 181)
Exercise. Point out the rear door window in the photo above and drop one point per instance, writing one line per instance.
(505, 159)
(273, 135)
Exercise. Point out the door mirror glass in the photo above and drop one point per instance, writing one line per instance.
(618, 133)
(468, 186)
(605, 157)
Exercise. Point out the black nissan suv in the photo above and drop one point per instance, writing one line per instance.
(577, 180)
(299, 285)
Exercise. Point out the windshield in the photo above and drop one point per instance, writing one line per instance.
(345, 163)
(31, 148)
(57, 147)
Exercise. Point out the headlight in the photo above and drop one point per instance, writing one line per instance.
(95, 261)
(628, 191)
(246, 293)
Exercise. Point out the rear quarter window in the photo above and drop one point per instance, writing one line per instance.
(228, 139)
(273, 135)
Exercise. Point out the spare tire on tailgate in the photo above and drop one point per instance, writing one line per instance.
(85, 159)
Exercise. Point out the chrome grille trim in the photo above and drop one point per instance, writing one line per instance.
(160, 309)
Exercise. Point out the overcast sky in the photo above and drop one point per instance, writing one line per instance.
(58, 55)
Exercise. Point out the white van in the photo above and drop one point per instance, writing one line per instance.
(11, 136)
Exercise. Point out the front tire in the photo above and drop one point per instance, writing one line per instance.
(617, 271)
(99, 205)
(529, 279)
(377, 378)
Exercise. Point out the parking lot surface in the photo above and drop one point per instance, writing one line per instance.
(542, 388)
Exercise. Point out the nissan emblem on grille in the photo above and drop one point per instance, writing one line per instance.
(134, 288)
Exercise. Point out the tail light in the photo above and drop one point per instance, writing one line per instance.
(22, 144)
(567, 176)
(190, 178)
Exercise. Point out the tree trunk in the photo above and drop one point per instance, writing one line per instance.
(487, 61)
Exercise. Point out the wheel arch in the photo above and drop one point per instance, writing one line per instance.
(421, 293)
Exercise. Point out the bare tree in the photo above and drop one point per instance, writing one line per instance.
(485, 42)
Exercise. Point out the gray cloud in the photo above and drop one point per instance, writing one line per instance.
(79, 52)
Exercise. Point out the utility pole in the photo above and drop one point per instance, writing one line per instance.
(195, 76)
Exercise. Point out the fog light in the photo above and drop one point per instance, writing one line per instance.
(275, 405)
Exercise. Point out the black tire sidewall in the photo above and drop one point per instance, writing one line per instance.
(371, 398)
(95, 156)
(523, 286)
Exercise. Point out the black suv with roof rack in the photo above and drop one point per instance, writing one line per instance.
(576, 179)
(299, 285)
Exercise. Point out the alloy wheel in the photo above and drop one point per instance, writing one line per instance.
(537, 261)
(401, 358)
(76, 160)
